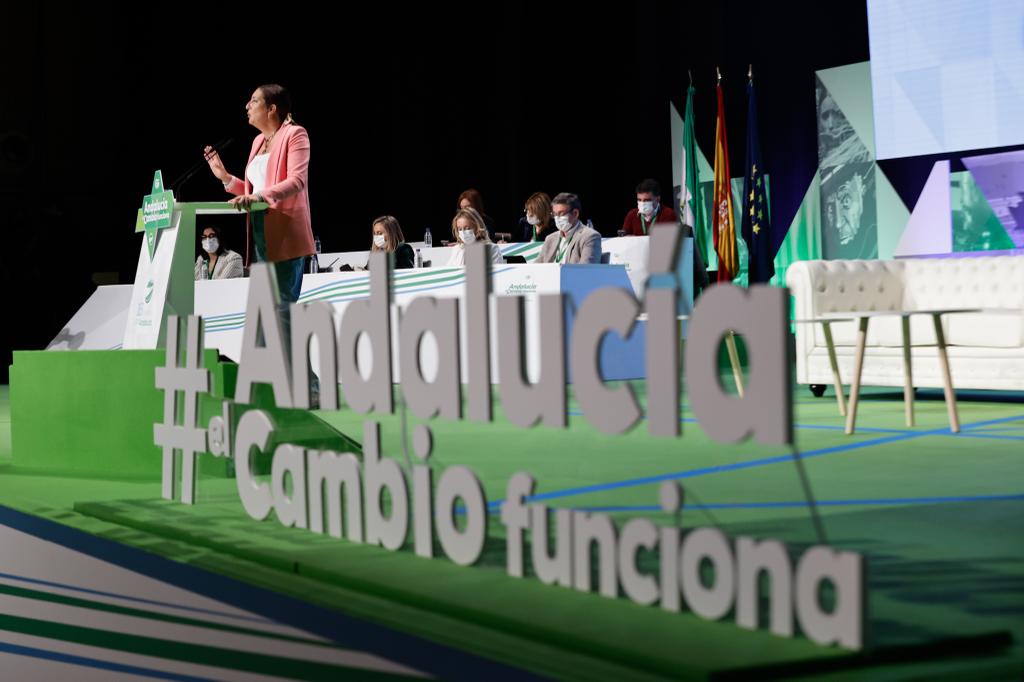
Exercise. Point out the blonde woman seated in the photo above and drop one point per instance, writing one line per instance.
(215, 261)
(468, 227)
(388, 237)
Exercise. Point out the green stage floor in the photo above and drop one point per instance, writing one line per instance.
(938, 516)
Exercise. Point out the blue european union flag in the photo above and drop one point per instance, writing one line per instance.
(757, 223)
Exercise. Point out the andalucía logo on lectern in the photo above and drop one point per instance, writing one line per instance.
(157, 207)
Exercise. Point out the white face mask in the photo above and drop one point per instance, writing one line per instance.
(211, 245)
(532, 219)
(379, 241)
(467, 236)
(562, 222)
(645, 207)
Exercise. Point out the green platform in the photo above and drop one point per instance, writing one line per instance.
(91, 413)
(938, 516)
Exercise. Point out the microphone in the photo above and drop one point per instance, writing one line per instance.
(195, 168)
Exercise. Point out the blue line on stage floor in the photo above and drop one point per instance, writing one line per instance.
(735, 466)
(989, 435)
(868, 502)
(863, 429)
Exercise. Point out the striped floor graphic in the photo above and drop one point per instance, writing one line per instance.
(65, 615)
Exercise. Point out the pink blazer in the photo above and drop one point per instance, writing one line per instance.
(286, 226)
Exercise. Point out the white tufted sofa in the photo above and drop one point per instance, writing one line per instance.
(986, 349)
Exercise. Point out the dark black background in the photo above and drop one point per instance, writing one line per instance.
(406, 106)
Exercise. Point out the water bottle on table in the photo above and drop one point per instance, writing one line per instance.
(428, 241)
(314, 263)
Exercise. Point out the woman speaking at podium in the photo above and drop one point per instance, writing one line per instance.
(277, 174)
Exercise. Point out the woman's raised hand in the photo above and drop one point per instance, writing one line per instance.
(216, 165)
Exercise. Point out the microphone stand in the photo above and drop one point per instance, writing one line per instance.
(188, 174)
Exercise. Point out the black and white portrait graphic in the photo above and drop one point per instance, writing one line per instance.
(848, 214)
(849, 225)
(838, 143)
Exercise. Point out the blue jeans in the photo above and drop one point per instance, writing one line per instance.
(289, 285)
(289, 272)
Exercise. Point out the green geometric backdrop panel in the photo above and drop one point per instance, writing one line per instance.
(1000, 177)
(975, 225)
(803, 239)
(892, 215)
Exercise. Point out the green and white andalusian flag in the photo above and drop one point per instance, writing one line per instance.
(692, 210)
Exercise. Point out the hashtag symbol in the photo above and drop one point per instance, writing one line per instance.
(189, 379)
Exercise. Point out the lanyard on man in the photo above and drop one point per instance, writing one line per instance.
(644, 223)
(563, 249)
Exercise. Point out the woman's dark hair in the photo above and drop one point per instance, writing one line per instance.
(220, 241)
(279, 96)
(476, 201)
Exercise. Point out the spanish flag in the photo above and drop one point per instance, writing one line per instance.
(724, 230)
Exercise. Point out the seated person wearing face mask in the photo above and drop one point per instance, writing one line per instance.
(388, 237)
(215, 261)
(535, 225)
(468, 227)
(648, 210)
(572, 241)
